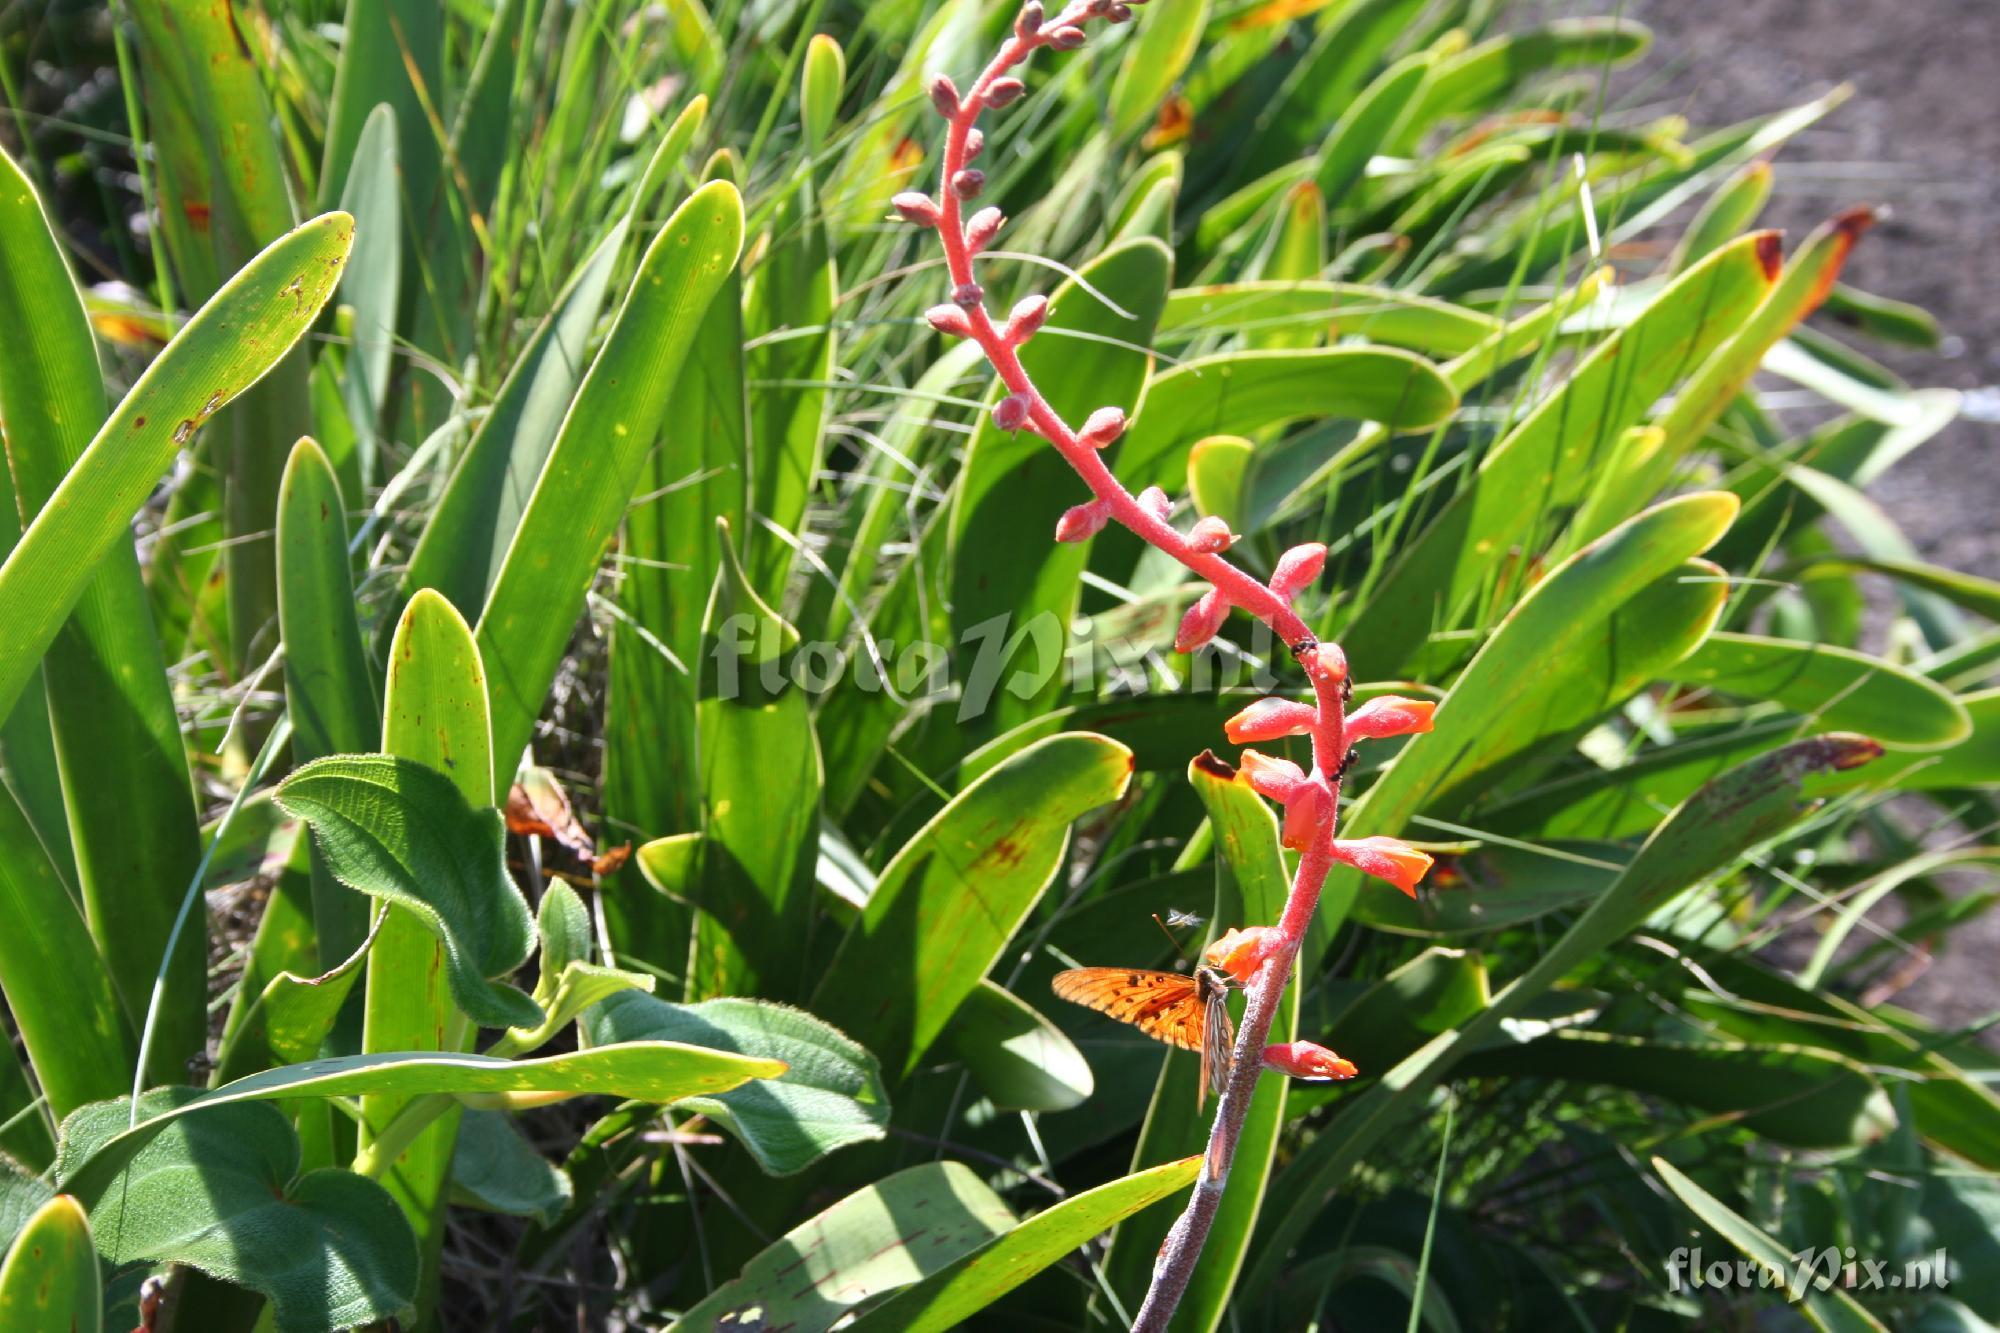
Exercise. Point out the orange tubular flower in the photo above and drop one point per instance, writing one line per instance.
(1384, 858)
(1242, 950)
(1309, 1060)
(1390, 715)
(1270, 776)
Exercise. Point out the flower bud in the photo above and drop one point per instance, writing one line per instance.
(1391, 859)
(1325, 661)
(1202, 621)
(1270, 720)
(1003, 92)
(1067, 38)
(1029, 21)
(917, 207)
(968, 183)
(1211, 536)
(944, 96)
(1011, 412)
(1153, 500)
(975, 142)
(1103, 426)
(1026, 319)
(1390, 715)
(1241, 950)
(967, 295)
(1082, 522)
(982, 227)
(949, 319)
(1296, 568)
(1308, 1060)
(1269, 776)
(1119, 14)
(1302, 815)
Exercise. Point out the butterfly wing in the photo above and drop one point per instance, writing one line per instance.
(1218, 1036)
(1165, 1006)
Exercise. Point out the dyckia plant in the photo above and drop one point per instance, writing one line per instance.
(1262, 960)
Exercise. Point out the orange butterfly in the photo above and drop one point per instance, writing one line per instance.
(1190, 1011)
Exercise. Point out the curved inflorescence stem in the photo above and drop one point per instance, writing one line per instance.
(1263, 961)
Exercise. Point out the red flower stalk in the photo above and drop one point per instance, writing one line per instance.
(1311, 799)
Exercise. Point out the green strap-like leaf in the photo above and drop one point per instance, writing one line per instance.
(49, 1278)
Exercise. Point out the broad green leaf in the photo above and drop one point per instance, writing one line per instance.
(820, 84)
(1158, 53)
(1020, 1060)
(1796, 1095)
(212, 359)
(402, 832)
(1702, 837)
(950, 899)
(1477, 78)
(328, 1248)
(760, 785)
(1437, 577)
(1348, 309)
(817, 1272)
(788, 319)
(1012, 616)
(822, 1091)
(435, 715)
(1369, 125)
(1832, 1310)
(329, 689)
(1252, 884)
(1556, 662)
(648, 1070)
(1239, 393)
(49, 1278)
(57, 988)
(127, 803)
(495, 1169)
(1841, 690)
(948, 1297)
(588, 480)
(371, 286)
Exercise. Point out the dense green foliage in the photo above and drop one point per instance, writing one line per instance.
(548, 414)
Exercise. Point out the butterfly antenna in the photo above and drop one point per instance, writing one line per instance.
(1171, 938)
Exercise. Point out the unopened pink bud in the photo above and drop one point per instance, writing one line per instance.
(1301, 817)
(1082, 522)
(1325, 661)
(1308, 1060)
(1390, 715)
(1270, 720)
(949, 319)
(1296, 568)
(1029, 21)
(1103, 426)
(1211, 536)
(1154, 501)
(944, 96)
(975, 142)
(1011, 412)
(1026, 319)
(1119, 13)
(968, 183)
(1202, 621)
(1067, 38)
(1269, 776)
(967, 294)
(916, 206)
(982, 227)
(1003, 92)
